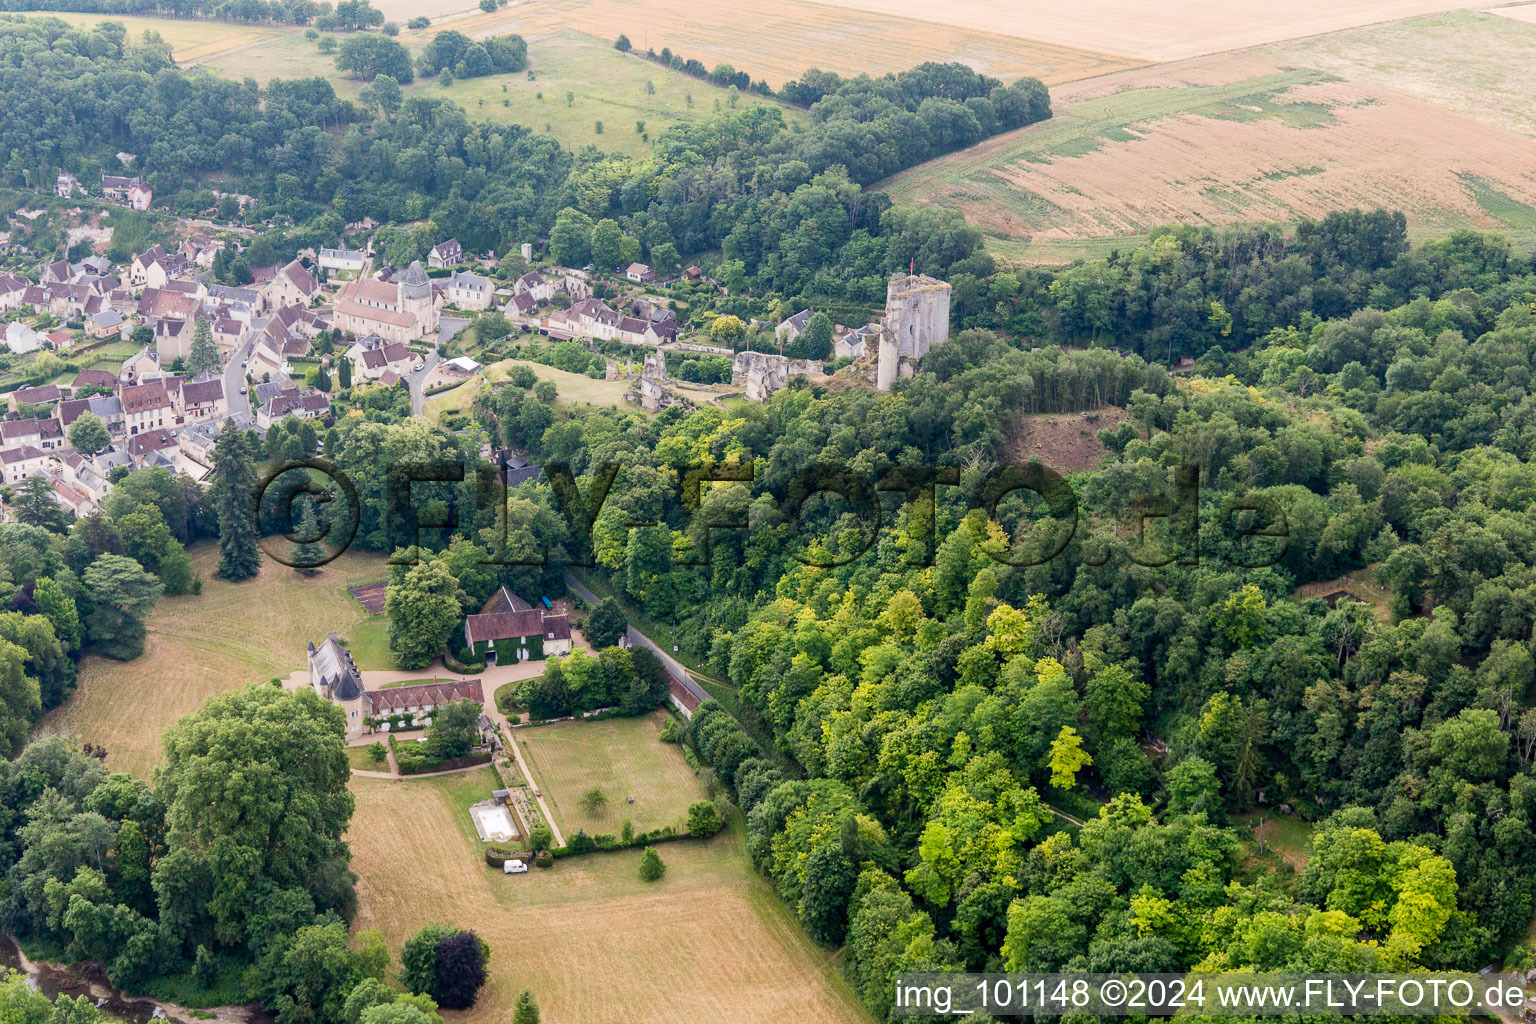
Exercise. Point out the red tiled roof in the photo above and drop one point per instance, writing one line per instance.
(401, 698)
(504, 625)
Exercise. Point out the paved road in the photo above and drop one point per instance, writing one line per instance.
(417, 379)
(447, 327)
(234, 378)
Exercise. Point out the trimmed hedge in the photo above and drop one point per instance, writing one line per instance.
(605, 842)
(462, 668)
(442, 766)
(497, 857)
(412, 762)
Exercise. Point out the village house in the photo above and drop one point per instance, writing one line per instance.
(146, 406)
(267, 360)
(115, 186)
(791, 328)
(197, 441)
(519, 306)
(227, 333)
(21, 339)
(445, 254)
(202, 399)
(371, 357)
(109, 323)
(168, 304)
(151, 447)
(45, 394)
(107, 408)
(173, 340)
(858, 343)
(593, 318)
(535, 286)
(293, 284)
(343, 260)
(68, 496)
(16, 464)
(300, 403)
(140, 196)
(12, 288)
(241, 304)
(66, 185)
(510, 629)
(79, 471)
(57, 272)
(88, 382)
(47, 434)
(153, 267)
(399, 310)
(200, 251)
(301, 321)
(142, 365)
(470, 291)
(640, 273)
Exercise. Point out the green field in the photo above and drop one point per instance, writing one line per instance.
(624, 758)
(1286, 836)
(571, 388)
(362, 761)
(369, 643)
(708, 942)
(228, 636)
(604, 85)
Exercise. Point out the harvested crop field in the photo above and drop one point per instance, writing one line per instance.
(1229, 139)
(1472, 63)
(200, 645)
(1154, 31)
(708, 942)
(778, 40)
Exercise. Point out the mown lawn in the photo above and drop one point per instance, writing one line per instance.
(369, 643)
(624, 758)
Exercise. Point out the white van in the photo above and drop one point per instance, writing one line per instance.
(514, 867)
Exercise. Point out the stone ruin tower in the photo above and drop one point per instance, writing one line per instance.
(916, 319)
(651, 376)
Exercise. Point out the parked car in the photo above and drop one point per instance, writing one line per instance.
(244, 390)
(514, 867)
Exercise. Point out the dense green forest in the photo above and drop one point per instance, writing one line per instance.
(911, 701)
(911, 706)
(911, 713)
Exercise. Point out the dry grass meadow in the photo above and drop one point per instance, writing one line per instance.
(624, 758)
(199, 646)
(191, 41)
(1155, 31)
(709, 942)
(1255, 136)
(777, 40)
